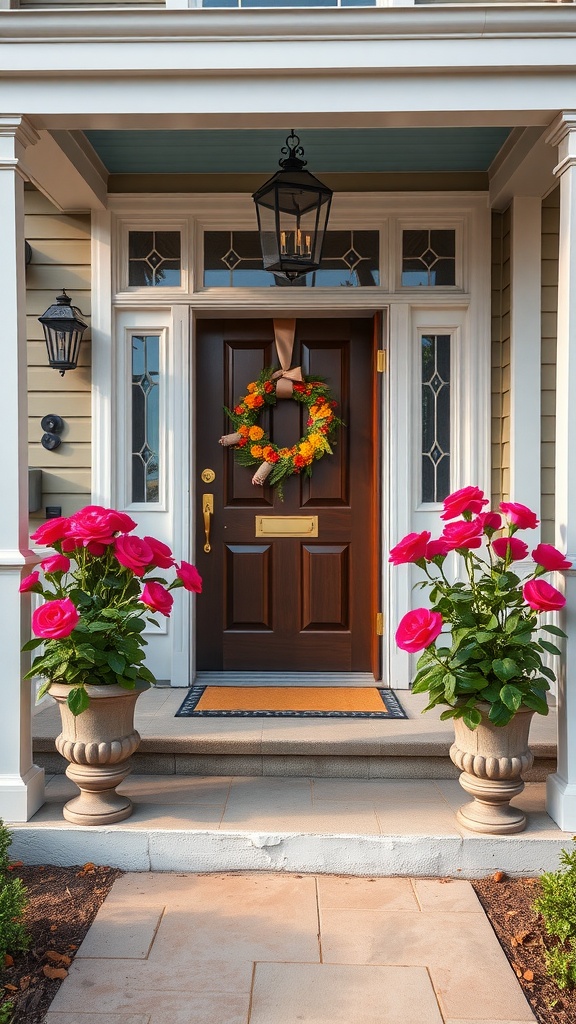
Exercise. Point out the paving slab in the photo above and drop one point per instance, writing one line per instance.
(266, 949)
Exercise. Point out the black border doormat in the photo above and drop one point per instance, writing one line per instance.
(391, 706)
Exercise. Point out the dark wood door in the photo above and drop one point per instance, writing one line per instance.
(293, 604)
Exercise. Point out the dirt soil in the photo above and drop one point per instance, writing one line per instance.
(508, 904)
(62, 903)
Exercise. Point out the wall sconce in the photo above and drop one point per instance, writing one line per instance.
(63, 330)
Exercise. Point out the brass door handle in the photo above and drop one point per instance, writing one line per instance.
(207, 511)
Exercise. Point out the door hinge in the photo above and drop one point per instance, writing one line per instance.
(381, 360)
(379, 623)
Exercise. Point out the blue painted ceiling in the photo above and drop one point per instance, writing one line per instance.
(326, 150)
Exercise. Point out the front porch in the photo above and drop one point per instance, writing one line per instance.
(354, 797)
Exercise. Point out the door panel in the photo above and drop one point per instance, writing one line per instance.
(288, 603)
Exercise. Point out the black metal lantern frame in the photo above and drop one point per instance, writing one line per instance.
(292, 209)
(63, 329)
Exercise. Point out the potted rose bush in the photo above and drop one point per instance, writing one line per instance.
(100, 585)
(482, 645)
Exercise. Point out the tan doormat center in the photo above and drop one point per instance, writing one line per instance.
(291, 701)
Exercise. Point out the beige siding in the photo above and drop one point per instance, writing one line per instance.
(60, 259)
(550, 225)
(500, 357)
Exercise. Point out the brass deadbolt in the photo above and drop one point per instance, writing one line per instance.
(208, 476)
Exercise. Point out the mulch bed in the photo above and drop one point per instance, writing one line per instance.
(62, 903)
(508, 904)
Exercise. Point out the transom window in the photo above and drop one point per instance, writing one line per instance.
(233, 259)
(428, 258)
(154, 259)
(435, 365)
(287, 3)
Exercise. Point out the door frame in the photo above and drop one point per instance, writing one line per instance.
(390, 211)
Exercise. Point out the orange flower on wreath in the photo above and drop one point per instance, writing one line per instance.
(257, 451)
(244, 430)
(252, 387)
(256, 433)
(253, 401)
(270, 454)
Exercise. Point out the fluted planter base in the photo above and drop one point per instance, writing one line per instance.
(492, 759)
(98, 744)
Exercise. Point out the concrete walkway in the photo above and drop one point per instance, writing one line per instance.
(286, 949)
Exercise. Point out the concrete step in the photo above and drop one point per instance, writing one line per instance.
(412, 748)
(319, 826)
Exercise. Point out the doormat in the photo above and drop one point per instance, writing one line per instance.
(290, 702)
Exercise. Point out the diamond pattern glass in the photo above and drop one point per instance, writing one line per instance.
(435, 358)
(233, 259)
(145, 417)
(428, 258)
(154, 259)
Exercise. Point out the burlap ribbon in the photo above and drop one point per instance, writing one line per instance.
(284, 331)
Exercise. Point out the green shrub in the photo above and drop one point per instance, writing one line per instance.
(6, 1013)
(13, 935)
(557, 905)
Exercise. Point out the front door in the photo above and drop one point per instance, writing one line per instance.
(295, 604)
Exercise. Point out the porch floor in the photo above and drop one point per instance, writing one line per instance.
(416, 747)
(269, 816)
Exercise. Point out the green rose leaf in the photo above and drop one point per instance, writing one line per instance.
(556, 631)
(499, 713)
(551, 648)
(537, 702)
(511, 696)
(31, 645)
(472, 717)
(449, 686)
(116, 662)
(77, 700)
(505, 669)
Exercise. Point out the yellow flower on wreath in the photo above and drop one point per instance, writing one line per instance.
(306, 449)
(256, 433)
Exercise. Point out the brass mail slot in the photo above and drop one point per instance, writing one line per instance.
(286, 526)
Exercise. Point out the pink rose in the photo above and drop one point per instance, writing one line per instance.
(51, 531)
(163, 556)
(504, 545)
(463, 534)
(418, 629)
(134, 553)
(519, 515)
(95, 523)
(550, 558)
(542, 597)
(56, 563)
(467, 499)
(410, 549)
(436, 547)
(490, 521)
(55, 619)
(190, 577)
(157, 598)
(96, 548)
(29, 582)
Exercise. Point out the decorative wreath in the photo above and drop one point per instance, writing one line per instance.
(252, 445)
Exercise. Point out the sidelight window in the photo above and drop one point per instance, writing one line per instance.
(145, 418)
(435, 399)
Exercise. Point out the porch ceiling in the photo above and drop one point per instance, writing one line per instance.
(363, 150)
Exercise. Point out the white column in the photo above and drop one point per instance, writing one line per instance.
(21, 782)
(561, 787)
(525, 352)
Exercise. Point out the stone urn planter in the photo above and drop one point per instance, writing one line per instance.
(492, 759)
(98, 744)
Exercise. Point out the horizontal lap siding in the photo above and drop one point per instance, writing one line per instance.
(550, 228)
(60, 259)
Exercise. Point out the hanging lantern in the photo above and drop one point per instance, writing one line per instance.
(63, 330)
(292, 209)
